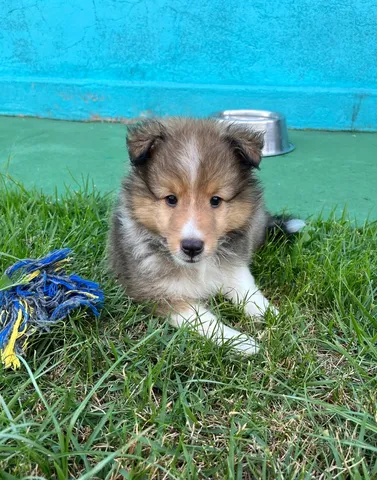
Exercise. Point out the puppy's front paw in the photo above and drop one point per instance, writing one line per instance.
(246, 345)
(257, 307)
(273, 310)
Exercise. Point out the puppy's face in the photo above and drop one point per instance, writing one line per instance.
(192, 182)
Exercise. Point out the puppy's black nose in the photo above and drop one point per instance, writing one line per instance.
(192, 247)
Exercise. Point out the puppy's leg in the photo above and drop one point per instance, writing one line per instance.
(239, 286)
(204, 322)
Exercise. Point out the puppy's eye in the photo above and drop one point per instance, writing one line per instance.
(215, 201)
(171, 200)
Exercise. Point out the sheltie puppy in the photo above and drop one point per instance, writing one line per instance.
(189, 217)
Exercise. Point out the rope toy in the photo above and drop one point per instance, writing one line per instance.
(35, 294)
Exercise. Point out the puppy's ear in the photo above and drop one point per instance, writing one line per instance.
(246, 144)
(142, 139)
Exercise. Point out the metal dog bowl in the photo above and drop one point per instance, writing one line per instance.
(272, 124)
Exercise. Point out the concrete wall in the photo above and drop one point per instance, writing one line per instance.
(315, 60)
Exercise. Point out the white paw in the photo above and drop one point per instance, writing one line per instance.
(258, 307)
(273, 310)
(239, 341)
(245, 345)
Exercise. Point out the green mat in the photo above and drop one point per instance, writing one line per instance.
(327, 170)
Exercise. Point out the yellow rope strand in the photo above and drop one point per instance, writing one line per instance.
(8, 355)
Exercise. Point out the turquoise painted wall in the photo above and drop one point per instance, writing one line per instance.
(315, 60)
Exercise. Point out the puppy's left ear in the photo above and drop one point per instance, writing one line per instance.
(246, 144)
(142, 140)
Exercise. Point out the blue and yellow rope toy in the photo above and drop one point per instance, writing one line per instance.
(35, 294)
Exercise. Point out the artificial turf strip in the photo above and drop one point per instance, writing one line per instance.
(128, 397)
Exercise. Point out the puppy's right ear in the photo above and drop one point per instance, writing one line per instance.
(142, 139)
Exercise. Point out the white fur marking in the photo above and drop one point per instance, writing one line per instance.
(189, 230)
(294, 225)
(208, 325)
(189, 158)
(239, 286)
(196, 281)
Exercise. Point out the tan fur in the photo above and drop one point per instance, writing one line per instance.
(158, 217)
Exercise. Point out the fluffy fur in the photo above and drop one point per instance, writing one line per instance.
(189, 217)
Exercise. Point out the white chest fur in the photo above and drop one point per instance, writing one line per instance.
(200, 281)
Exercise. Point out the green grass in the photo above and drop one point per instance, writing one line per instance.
(126, 396)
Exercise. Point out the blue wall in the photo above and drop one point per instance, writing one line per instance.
(315, 60)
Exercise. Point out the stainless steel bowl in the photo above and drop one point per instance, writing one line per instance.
(272, 124)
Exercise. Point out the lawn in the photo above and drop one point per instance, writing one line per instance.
(126, 396)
